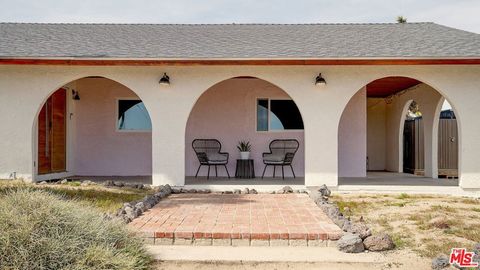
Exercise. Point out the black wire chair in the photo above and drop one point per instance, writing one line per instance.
(281, 154)
(209, 154)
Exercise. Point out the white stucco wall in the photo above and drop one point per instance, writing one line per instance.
(429, 101)
(24, 88)
(352, 137)
(376, 134)
(227, 112)
(100, 149)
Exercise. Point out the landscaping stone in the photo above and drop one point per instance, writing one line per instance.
(43, 183)
(64, 181)
(131, 210)
(237, 191)
(129, 214)
(350, 243)
(227, 192)
(379, 242)
(440, 262)
(339, 221)
(324, 190)
(109, 183)
(118, 184)
(287, 189)
(246, 191)
(141, 205)
(359, 229)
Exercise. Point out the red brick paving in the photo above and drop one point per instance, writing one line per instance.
(229, 216)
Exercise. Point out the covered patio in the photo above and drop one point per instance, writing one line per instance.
(244, 109)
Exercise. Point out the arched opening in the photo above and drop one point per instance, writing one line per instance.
(93, 128)
(389, 134)
(251, 110)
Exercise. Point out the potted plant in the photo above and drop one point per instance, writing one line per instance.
(244, 147)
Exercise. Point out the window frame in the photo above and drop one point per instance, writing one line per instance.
(117, 105)
(269, 117)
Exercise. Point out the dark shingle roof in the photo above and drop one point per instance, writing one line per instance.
(232, 41)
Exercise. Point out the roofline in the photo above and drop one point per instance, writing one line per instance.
(76, 61)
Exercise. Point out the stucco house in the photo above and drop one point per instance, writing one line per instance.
(127, 100)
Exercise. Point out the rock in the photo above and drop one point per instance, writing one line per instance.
(138, 212)
(130, 213)
(87, 183)
(324, 190)
(273, 192)
(109, 183)
(339, 221)
(141, 205)
(253, 191)
(43, 183)
(237, 191)
(287, 189)
(316, 197)
(228, 192)
(168, 188)
(440, 262)
(118, 184)
(176, 191)
(246, 191)
(359, 229)
(64, 181)
(379, 242)
(350, 243)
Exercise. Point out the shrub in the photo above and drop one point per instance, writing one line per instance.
(40, 230)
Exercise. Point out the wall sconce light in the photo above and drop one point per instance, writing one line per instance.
(165, 80)
(320, 80)
(75, 95)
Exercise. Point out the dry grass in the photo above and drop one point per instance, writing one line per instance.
(107, 200)
(428, 225)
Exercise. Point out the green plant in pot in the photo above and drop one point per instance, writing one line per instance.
(244, 147)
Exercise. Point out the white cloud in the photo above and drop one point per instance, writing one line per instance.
(461, 14)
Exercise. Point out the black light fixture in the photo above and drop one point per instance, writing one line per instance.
(320, 80)
(165, 80)
(75, 95)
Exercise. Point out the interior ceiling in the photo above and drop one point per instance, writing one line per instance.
(385, 87)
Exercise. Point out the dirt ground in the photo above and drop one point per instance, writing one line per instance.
(422, 226)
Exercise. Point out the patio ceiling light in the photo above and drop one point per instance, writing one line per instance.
(165, 80)
(320, 80)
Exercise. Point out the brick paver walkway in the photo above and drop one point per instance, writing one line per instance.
(228, 216)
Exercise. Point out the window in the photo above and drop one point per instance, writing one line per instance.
(278, 114)
(132, 115)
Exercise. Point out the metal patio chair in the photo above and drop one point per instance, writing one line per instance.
(281, 154)
(209, 154)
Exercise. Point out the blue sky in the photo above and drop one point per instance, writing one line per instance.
(461, 14)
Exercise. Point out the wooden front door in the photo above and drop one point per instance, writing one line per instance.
(52, 134)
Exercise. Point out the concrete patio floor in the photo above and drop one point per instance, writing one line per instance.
(396, 179)
(230, 219)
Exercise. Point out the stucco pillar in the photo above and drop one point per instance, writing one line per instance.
(168, 139)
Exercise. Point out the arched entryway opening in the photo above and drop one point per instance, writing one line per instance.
(389, 122)
(93, 128)
(252, 110)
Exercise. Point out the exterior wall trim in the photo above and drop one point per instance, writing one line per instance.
(240, 62)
